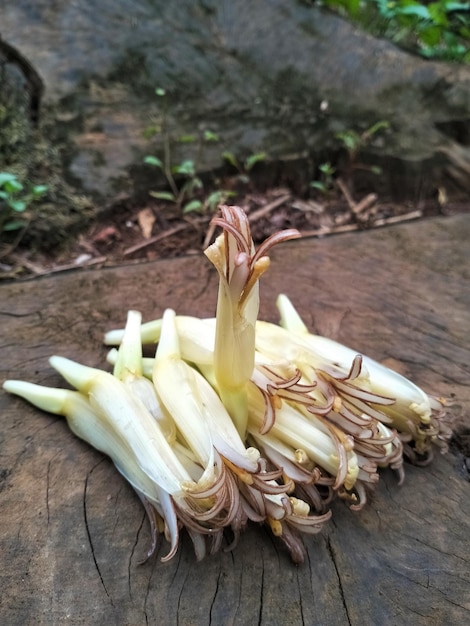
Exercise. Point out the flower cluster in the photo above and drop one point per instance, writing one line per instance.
(235, 419)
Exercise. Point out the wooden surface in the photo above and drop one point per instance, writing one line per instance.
(72, 531)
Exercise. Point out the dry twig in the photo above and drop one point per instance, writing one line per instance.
(267, 208)
(149, 242)
(357, 208)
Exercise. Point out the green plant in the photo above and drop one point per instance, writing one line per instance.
(353, 142)
(182, 179)
(439, 29)
(15, 200)
(244, 168)
(182, 195)
(214, 199)
(326, 182)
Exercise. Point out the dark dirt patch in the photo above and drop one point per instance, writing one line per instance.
(460, 446)
(130, 232)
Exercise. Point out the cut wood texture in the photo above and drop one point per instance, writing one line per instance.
(73, 532)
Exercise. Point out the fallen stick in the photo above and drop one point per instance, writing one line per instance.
(149, 242)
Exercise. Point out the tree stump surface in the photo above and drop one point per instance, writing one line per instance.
(73, 532)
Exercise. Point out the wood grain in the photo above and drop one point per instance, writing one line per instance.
(73, 533)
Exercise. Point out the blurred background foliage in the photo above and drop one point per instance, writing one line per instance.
(438, 30)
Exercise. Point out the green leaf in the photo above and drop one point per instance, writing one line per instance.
(316, 184)
(350, 139)
(464, 31)
(457, 6)
(386, 8)
(352, 6)
(6, 177)
(218, 197)
(377, 126)
(194, 205)
(17, 205)
(187, 138)
(327, 168)
(417, 10)
(150, 131)
(185, 167)
(430, 36)
(12, 186)
(231, 158)
(163, 195)
(251, 161)
(210, 136)
(13, 225)
(438, 14)
(153, 160)
(159, 91)
(376, 169)
(39, 190)
(187, 190)
(197, 183)
(428, 53)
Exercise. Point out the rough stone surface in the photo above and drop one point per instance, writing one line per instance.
(73, 532)
(256, 73)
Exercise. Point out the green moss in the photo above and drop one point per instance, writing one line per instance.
(35, 157)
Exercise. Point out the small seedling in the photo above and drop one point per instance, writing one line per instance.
(186, 191)
(353, 143)
(15, 200)
(248, 164)
(326, 182)
(182, 179)
(218, 197)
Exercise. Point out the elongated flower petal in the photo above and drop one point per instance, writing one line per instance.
(240, 267)
(87, 424)
(128, 417)
(175, 383)
(412, 412)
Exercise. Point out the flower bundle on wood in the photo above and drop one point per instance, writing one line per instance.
(236, 419)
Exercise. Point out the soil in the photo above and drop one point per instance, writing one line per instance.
(131, 232)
